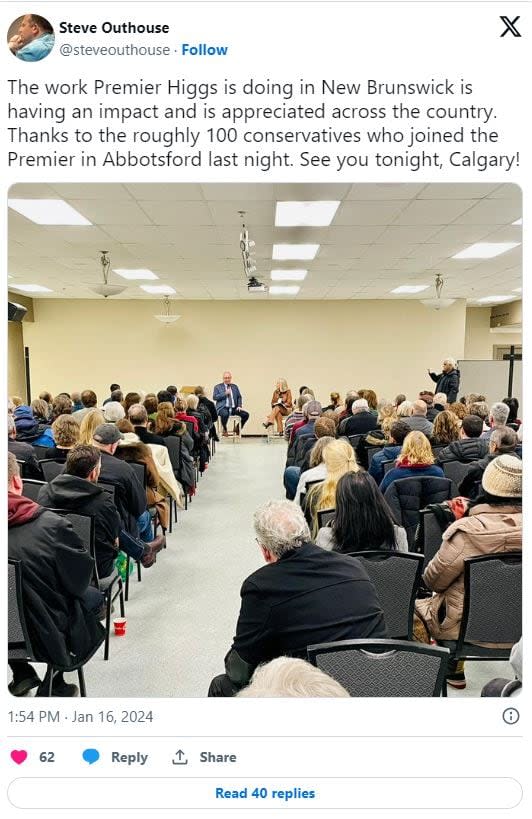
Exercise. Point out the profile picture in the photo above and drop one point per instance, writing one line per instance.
(30, 37)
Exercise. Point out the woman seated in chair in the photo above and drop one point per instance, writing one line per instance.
(363, 520)
(338, 458)
(493, 523)
(282, 405)
(446, 429)
(132, 450)
(416, 460)
(66, 435)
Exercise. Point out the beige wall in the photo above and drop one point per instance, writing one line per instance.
(336, 345)
(479, 342)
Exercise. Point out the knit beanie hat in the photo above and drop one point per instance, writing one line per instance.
(503, 477)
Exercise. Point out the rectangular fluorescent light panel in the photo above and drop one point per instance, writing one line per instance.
(32, 288)
(493, 299)
(485, 250)
(518, 222)
(163, 289)
(305, 214)
(48, 211)
(288, 275)
(289, 252)
(410, 288)
(289, 290)
(135, 274)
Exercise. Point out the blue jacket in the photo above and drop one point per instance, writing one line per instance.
(399, 472)
(388, 453)
(219, 396)
(30, 430)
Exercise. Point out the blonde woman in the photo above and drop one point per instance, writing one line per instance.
(282, 404)
(415, 460)
(92, 419)
(339, 458)
(404, 410)
(66, 435)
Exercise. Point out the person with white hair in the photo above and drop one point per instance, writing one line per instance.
(448, 381)
(498, 417)
(302, 596)
(291, 677)
(361, 421)
(113, 411)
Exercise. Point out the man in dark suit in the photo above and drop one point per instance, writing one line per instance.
(304, 595)
(228, 400)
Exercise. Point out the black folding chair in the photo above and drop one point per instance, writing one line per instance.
(396, 577)
(456, 472)
(84, 527)
(383, 668)
(431, 535)
(492, 610)
(387, 465)
(371, 451)
(40, 451)
(354, 439)
(325, 516)
(19, 644)
(51, 469)
(31, 488)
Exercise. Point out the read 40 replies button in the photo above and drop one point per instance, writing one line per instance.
(326, 793)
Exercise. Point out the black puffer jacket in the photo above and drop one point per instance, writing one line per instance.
(449, 383)
(466, 450)
(408, 496)
(56, 572)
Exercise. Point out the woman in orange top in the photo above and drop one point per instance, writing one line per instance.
(281, 405)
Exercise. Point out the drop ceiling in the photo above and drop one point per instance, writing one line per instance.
(381, 237)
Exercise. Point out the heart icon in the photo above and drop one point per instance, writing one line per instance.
(19, 756)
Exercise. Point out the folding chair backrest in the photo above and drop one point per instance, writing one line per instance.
(455, 471)
(51, 469)
(325, 516)
(396, 577)
(19, 647)
(354, 439)
(40, 452)
(173, 444)
(31, 488)
(432, 535)
(371, 451)
(140, 472)
(492, 599)
(83, 526)
(387, 465)
(109, 487)
(383, 668)
(438, 448)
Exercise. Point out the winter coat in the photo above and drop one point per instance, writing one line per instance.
(486, 530)
(470, 483)
(407, 497)
(465, 450)
(79, 495)
(26, 453)
(130, 497)
(418, 423)
(30, 430)
(400, 472)
(56, 572)
(358, 424)
(448, 383)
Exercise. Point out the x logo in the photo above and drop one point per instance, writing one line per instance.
(510, 26)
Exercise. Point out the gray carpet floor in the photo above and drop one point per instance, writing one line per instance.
(181, 617)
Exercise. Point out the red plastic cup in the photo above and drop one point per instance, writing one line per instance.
(119, 624)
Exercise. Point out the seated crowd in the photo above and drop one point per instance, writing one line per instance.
(357, 475)
(168, 434)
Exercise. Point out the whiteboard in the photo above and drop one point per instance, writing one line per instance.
(490, 378)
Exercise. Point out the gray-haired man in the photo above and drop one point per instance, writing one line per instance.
(304, 595)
